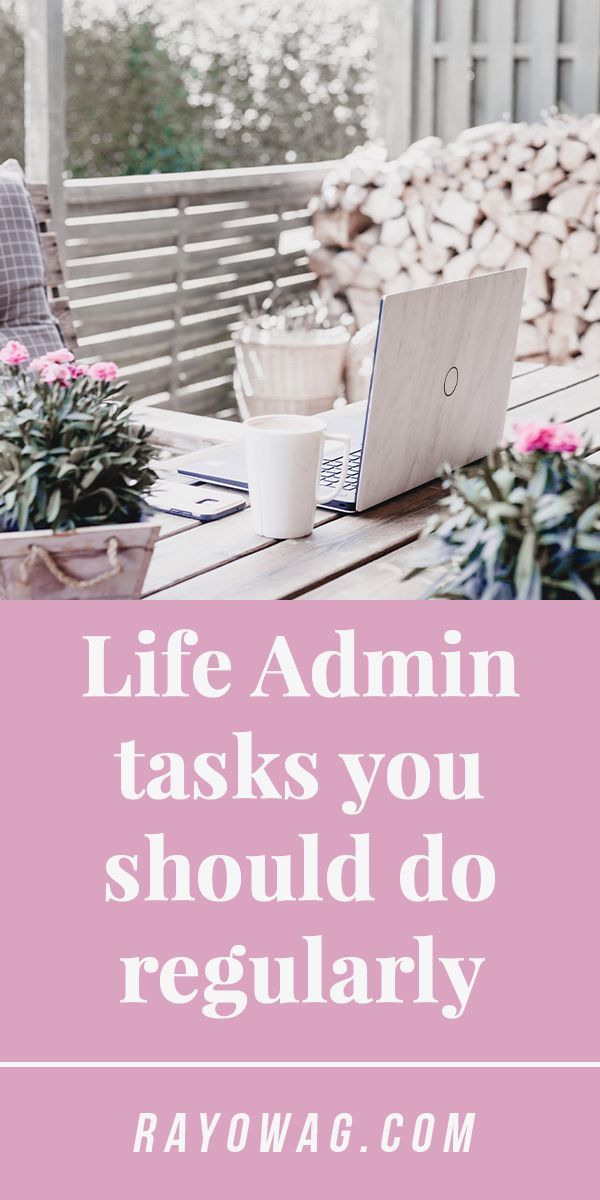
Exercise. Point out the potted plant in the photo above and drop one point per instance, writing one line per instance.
(73, 474)
(289, 359)
(524, 525)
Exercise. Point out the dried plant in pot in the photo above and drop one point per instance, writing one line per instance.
(73, 475)
(524, 525)
(290, 359)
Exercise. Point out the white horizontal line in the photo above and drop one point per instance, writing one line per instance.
(304, 1065)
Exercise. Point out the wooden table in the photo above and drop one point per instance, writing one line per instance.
(362, 557)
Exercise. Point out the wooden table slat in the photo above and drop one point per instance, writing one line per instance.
(547, 382)
(284, 569)
(566, 405)
(525, 368)
(207, 548)
(170, 525)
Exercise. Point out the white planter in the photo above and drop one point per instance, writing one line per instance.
(289, 371)
(359, 363)
(104, 562)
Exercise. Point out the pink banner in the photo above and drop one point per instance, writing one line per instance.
(73, 1133)
(261, 841)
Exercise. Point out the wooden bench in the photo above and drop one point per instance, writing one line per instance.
(57, 295)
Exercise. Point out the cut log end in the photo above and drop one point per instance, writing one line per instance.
(501, 196)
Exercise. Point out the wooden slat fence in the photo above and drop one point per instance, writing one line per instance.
(473, 61)
(160, 270)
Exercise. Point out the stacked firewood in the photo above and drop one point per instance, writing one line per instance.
(500, 196)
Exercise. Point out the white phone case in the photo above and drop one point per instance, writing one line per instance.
(196, 503)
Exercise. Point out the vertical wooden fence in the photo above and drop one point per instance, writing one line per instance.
(471, 61)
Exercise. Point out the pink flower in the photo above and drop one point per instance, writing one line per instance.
(103, 372)
(60, 356)
(14, 353)
(56, 373)
(59, 365)
(78, 370)
(549, 439)
(566, 441)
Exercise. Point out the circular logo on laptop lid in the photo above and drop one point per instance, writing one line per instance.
(451, 381)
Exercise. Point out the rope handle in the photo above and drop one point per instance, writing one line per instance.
(40, 554)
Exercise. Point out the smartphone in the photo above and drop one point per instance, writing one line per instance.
(198, 504)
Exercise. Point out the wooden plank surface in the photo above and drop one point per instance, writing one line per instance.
(191, 183)
(586, 38)
(179, 251)
(499, 80)
(395, 73)
(198, 558)
(455, 111)
(525, 368)
(424, 119)
(184, 431)
(547, 382)
(544, 66)
(566, 405)
(350, 556)
(283, 569)
(45, 101)
(519, 50)
(57, 299)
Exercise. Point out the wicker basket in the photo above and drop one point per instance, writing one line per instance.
(289, 371)
(106, 562)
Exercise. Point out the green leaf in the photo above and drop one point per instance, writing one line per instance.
(503, 511)
(66, 468)
(30, 489)
(535, 585)
(22, 513)
(581, 588)
(8, 482)
(552, 510)
(525, 567)
(91, 476)
(494, 490)
(33, 469)
(53, 507)
(589, 542)
(589, 518)
(537, 484)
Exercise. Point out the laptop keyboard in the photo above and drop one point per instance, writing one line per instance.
(331, 471)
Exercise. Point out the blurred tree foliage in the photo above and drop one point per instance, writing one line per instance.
(128, 104)
(290, 81)
(190, 85)
(11, 85)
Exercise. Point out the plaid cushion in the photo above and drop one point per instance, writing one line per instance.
(24, 310)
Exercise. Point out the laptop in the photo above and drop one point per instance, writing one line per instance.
(439, 392)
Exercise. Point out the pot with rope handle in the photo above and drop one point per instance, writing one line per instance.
(105, 562)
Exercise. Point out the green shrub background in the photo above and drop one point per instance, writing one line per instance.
(196, 85)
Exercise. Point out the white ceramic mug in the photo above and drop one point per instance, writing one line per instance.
(283, 457)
